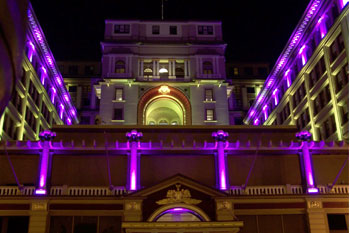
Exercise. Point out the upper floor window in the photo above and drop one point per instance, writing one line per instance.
(122, 28)
(248, 71)
(119, 94)
(207, 67)
(337, 47)
(209, 114)
(118, 114)
(209, 95)
(173, 30)
(205, 30)
(120, 67)
(89, 70)
(73, 70)
(155, 29)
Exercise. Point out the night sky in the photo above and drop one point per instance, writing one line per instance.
(253, 30)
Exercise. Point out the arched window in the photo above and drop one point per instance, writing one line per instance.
(148, 72)
(207, 67)
(163, 122)
(179, 72)
(178, 215)
(120, 67)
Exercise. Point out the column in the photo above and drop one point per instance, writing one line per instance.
(174, 66)
(46, 137)
(79, 96)
(244, 98)
(133, 160)
(221, 164)
(141, 68)
(38, 217)
(304, 137)
(317, 217)
(157, 69)
(154, 68)
(185, 68)
(170, 62)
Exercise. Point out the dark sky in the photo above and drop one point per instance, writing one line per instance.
(254, 30)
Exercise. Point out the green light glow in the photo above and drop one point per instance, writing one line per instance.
(164, 110)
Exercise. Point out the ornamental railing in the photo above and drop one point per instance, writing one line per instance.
(272, 190)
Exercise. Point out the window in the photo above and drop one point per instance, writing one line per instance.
(317, 72)
(119, 94)
(118, 114)
(120, 67)
(299, 95)
(209, 115)
(344, 110)
(284, 114)
(163, 122)
(17, 101)
(337, 222)
(336, 47)
(262, 71)
(205, 30)
(72, 88)
(89, 70)
(85, 120)
(303, 119)
(251, 90)
(155, 29)
(328, 127)
(73, 70)
(342, 78)
(207, 67)
(209, 95)
(173, 30)
(235, 71)
(238, 121)
(122, 28)
(322, 99)
(248, 71)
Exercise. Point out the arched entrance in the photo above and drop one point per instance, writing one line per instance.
(164, 105)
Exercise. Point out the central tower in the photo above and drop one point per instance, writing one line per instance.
(163, 73)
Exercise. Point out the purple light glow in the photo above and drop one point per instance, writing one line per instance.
(73, 112)
(269, 83)
(322, 25)
(251, 113)
(222, 180)
(58, 80)
(61, 112)
(312, 190)
(177, 209)
(303, 54)
(274, 93)
(40, 191)
(265, 112)
(133, 181)
(287, 75)
(343, 3)
(66, 97)
(69, 121)
(256, 121)
(260, 98)
(42, 181)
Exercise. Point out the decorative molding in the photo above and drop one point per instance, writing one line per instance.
(39, 206)
(178, 196)
(133, 206)
(314, 204)
(224, 205)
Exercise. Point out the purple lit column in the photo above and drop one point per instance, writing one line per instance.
(304, 137)
(221, 168)
(134, 160)
(46, 137)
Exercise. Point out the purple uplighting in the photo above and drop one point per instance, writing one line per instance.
(312, 190)
(265, 112)
(287, 75)
(40, 191)
(251, 113)
(302, 53)
(322, 26)
(343, 3)
(274, 93)
(220, 137)
(134, 137)
(256, 121)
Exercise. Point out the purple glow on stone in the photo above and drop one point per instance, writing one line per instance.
(269, 83)
(222, 180)
(322, 25)
(42, 181)
(312, 190)
(274, 93)
(256, 121)
(58, 80)
(343, 3)
(69, 121)
(265, 112)
(73, 112)
(61, 113)
(133, 181)
(260, 98)
(251, 113)
(177, 209)
(66, 97)
(40, 191)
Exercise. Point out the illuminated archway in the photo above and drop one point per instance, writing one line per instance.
(164, 105)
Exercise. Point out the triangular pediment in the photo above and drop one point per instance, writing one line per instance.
(182, 180)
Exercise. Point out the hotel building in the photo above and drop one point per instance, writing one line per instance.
(308, 85)
(40, 99)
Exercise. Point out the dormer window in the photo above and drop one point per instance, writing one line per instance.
(173, 30)
(207, 67)
(122, 28)
(120, 67)
(205, 30)
(155, 29)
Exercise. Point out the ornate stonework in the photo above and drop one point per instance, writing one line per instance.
(178, 196)
(314, 204)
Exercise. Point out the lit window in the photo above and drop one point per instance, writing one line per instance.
(120, 67)
(163, 122)
(173, 30)
(118, 114)
(207, 67)
(209, 95)
(205, 30)
(235, 71)
(209, 115)
(155, 29)
(122, 28)
(174, 123)
(119, 94)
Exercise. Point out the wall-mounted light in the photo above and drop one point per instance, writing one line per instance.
(163, 70)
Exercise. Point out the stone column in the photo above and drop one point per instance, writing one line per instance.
(79, 97)
(221, 161)
(317, 216)
(38, 217)
(306, 160)
(46, 137)
(174, 66)
(133, 160)
(154, 68)
(157, 68)
(244, 98)
(170, 62)
(185, 69)
(141, 67)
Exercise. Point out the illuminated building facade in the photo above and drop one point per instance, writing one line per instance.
(40, 99)
(308, 85)
(101, 179)
(246, 81)
(80, 78)
(163, 73)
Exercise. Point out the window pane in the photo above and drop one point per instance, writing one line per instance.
(119, 94)
(208, 95)
(210, 114)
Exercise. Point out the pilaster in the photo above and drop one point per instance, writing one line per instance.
(38, 217)
(317, 217)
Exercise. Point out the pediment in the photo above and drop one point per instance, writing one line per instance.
(182, 180)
